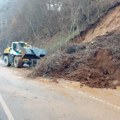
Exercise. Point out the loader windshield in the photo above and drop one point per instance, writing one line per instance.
(21, 45)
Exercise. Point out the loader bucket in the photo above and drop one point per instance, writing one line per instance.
(33, 53)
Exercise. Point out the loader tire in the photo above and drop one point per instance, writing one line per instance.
(6, 61)
(18, 62)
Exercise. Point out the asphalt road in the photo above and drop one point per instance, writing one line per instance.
(23, 99)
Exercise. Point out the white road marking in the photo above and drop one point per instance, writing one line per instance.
(6, 109)
(100, 100)
(95, 98)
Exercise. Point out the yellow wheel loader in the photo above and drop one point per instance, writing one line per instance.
(21, 53)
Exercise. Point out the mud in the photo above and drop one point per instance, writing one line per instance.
(92, 58)
(95, 64)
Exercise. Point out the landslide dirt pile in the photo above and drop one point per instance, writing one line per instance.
(96, 64)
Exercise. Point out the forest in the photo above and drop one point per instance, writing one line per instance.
(38, 21)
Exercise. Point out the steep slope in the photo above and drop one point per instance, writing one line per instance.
(107, 24)
(94, 62)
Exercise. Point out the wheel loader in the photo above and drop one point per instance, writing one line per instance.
(21, 53)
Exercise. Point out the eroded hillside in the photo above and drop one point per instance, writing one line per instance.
(94, 62)
(106, 24)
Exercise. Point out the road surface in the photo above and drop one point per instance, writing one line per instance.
(23, 99)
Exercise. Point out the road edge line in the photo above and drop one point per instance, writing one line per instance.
(6, 109)
(95, 98)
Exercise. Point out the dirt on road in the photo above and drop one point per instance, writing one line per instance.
(17, 78)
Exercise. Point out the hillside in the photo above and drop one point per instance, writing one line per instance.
(81, 37)
(109, 23)
(39, 25)
(95, 61)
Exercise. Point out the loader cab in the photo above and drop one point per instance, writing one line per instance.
(14, 46)
(18, 46)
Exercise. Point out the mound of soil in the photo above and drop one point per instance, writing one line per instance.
(96, 64)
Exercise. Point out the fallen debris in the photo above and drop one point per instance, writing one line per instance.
(96, 64)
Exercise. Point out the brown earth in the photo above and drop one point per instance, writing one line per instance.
(95, 61)
(107, 23)
(96, 64)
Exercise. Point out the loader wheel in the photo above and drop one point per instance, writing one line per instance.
(6, 61)
(18, 62)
